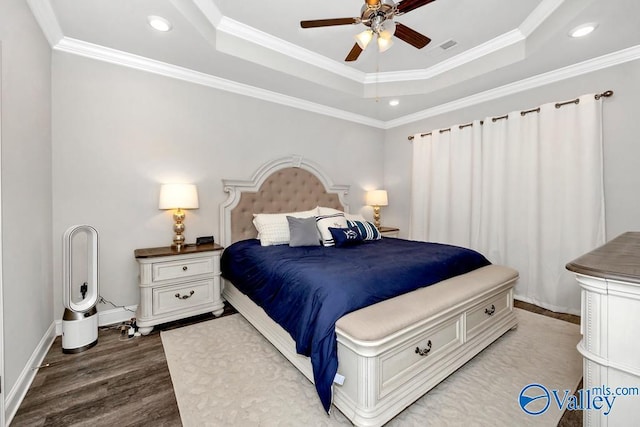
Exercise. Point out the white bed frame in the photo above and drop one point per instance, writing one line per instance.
(392, 353)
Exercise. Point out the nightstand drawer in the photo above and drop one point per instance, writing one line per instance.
(172, 270)
(185, 295)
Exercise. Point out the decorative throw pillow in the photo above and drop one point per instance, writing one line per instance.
(322, 210)
(354, 217)
(323, 222)
(303, 231)
(273, 229)
(345, 236)
(367, 230)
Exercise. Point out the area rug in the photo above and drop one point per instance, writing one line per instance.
(225, 373)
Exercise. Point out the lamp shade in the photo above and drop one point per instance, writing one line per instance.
(384, 44)
(377, 198)
(364, 38)
(182, 196)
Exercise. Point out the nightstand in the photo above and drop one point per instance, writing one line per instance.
(389, 231)
(178, 284)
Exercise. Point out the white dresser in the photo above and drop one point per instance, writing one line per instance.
(609, 278)
(178, 284)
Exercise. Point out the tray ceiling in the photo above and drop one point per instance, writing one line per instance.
(258, 49)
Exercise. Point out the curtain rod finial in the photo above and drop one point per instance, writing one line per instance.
(605, 94)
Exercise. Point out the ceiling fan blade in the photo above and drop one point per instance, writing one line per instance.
(410, 36)
(409, 5)
(354, 54)
(329, 22)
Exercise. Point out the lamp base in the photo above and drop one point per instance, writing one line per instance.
(178, 229)
(376, 216)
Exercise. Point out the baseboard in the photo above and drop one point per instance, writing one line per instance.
(547, 306)
(108, 317)
(116, 315)
(20, 388)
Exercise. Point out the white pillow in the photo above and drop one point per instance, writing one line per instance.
(323, 223)
(273, 229)
(331, 211)
(354, 217)
(327, 211)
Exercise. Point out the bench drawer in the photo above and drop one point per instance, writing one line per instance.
(402, 363)
(485, 314)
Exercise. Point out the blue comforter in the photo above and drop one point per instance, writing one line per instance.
(307, 289)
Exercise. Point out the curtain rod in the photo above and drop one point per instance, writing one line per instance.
(605, 94)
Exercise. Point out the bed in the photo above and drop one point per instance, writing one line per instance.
(389, 353)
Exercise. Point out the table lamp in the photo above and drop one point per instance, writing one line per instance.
(179, 197)
(377, 198)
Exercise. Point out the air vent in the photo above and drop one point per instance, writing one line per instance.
(448, 44)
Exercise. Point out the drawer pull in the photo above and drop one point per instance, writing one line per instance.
(489, 312)
(425, 350)
(184, 268)
(185, 296)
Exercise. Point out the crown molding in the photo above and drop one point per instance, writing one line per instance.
(208, 9)
(113, 56)
(581, 68)
(46, 18)
(539, 16)
(265, 40)
(494, 45)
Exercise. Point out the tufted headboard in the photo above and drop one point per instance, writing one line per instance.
(284, 185)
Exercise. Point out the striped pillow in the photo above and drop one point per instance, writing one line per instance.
(323, 222)
(367, 230)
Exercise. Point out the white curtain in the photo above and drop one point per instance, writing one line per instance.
(526, 191)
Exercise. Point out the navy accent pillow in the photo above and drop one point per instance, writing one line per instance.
(367, 230)
(345, 236)
(325, 221)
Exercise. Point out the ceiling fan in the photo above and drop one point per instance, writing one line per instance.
(378, 16)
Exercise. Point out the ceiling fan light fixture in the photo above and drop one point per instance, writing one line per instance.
(384, 44)
(364, 38)
(387, 29)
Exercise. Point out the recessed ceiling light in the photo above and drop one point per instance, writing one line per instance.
(394, 102)
(159, 23)
(583, 30)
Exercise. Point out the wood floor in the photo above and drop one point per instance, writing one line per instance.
(126, 382)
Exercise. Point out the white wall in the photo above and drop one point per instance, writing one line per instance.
(118, 133)
(26, 186)
(621, 144)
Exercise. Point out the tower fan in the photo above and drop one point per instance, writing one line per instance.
(80, 319)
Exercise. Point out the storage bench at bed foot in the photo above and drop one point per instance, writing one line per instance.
(373, 407)
(388, 365)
